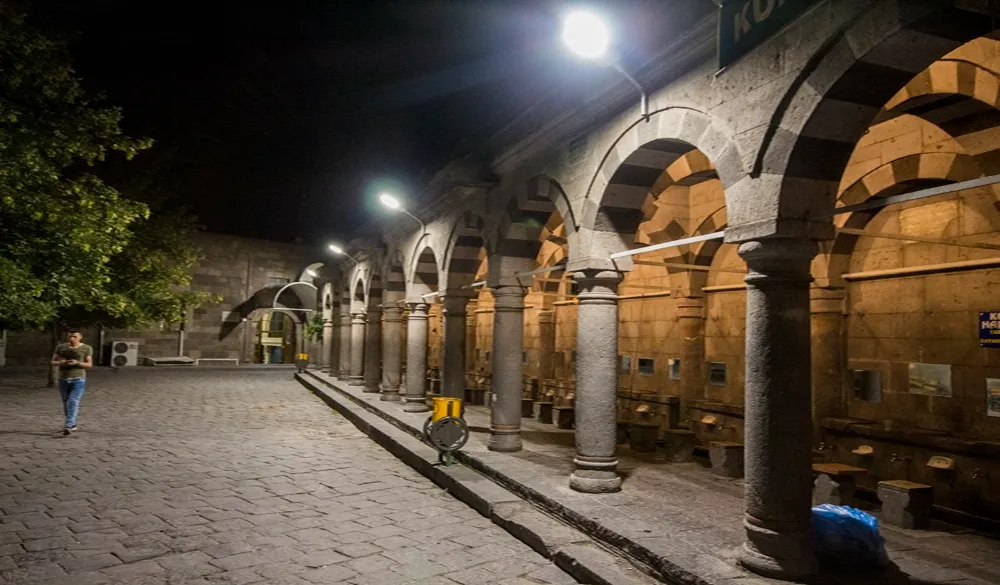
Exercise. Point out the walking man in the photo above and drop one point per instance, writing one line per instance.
(74, 358)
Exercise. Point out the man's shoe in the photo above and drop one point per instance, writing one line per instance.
(69, 430)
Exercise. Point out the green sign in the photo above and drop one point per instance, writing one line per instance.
(745, 24)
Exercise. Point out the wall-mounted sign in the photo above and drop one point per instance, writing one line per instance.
(989, 329)
(930, 379)
(993, 397)
(745, 24)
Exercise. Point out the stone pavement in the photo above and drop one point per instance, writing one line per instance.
(679, 519)
(202, 477)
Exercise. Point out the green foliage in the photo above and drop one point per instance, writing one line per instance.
(72, 248)
(314, 328)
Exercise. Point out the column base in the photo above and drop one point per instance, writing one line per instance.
(415, 404)
(355, 381)
(777, 555)
(325, 369)
(391, 395)
(595, 475)
(343, 376)
(504, 440)
(369, 389)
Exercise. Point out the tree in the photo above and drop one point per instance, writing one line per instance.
(60, 224)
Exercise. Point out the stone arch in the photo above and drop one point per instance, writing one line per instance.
(358, 294)
(842, 88)
(395, 285)
(946, 90)
(464, 246)
(916, 171)
(639, 162)
(525, 218)
(425, 273)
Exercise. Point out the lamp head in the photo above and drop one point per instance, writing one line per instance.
(389, 201)
(586, 35)
(336, 249)
(311, 272)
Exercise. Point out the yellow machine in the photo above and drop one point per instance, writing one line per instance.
(445, 429)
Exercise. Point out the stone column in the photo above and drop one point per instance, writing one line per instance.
(470, 333)
(453, 358)
(324, 357)
(392, 344)
(344, 371)
(508, 346)
(546, 343)
(333, 355)
(596, 462)
(357, 349)
(829, 355)
(416, 358)
(778, 450)
(691, 322)
(373, 350)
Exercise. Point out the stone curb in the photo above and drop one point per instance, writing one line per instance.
(570, 549)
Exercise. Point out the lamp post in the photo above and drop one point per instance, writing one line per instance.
(586, 35)
(394, 204)
(340, 252)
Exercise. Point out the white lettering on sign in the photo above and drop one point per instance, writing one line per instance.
(761, 10)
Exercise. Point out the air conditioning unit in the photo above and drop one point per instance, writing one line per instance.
(124, 353)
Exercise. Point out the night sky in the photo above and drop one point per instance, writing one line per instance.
(276, 120)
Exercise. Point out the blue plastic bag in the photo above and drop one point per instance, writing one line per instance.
(847, 537)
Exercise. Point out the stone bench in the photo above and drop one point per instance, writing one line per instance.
(643, 436)
(727, 458)
(678, 445)
(906, 504)
(564, 417)
(835, 483)
(545, 412)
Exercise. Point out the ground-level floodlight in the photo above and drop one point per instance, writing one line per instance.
(586, 35)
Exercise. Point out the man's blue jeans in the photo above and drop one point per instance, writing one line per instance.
(71, 391)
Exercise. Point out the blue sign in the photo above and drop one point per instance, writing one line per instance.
(989, 329)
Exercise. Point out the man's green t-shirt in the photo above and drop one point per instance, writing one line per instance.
(78, 353)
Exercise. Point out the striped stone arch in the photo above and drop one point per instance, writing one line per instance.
(843, 87)
(425, 273)
(464, 247)
(375, 288)
(900, 175)
(327, 298)
(358, 294)
(658, 224)
(638, 164)
(395, 286)
(527, 212)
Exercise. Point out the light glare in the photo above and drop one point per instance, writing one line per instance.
(336, 249)
(586, 35)
(311, 272)
(389, 201)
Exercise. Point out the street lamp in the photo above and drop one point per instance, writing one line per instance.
(312, 272)
(394, 204)
(587, 36)
(340, 252)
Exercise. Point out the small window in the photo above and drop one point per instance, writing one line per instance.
(647, 366)
(674, 369)
(868, 385)
(717, 373)
(624, 364)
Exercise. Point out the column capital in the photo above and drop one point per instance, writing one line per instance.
(454, 304)
(598, 285)
(392, 312)
(374, 315)
(778, 260)
(357, 316)
(826, 299)
(418, 309)
(509, 298)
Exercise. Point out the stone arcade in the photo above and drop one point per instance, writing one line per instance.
(722, 339)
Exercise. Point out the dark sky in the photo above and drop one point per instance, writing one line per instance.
(277, 119)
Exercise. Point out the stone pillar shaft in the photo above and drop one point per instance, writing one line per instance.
(470, 334)
(416, 359)
(829, 355)
(596, 461)
(453, 360)
(691, 322)
(344, 369)
(357, 349)
(333, 351)
(778, 448)
(324, 356)
(373, 350)
(546, 343)
(392, 345)
(508, 346)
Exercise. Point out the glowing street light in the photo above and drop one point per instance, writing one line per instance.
(586, 35)
(340, 252)
(393, 203)
(312, 272)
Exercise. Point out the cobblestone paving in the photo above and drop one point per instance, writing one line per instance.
(225, 477)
